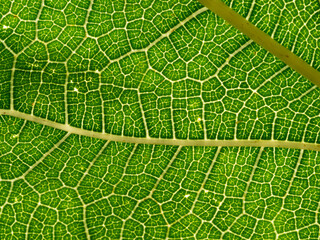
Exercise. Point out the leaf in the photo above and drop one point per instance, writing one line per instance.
(156, 120)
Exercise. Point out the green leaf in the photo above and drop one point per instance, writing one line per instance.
(158, 120)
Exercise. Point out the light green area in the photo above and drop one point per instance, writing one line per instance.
(157, 70)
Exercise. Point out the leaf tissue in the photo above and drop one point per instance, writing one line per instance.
(158, 119)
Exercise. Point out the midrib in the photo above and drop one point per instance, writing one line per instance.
(263, 39)
(180, 142)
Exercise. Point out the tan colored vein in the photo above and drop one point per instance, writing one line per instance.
(156, 141)
(263, 39)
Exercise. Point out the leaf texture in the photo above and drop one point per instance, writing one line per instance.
(156, 120)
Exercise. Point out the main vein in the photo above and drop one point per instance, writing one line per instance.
(263, 39)
(159, 141)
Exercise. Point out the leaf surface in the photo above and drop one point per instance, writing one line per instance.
(156, 120)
